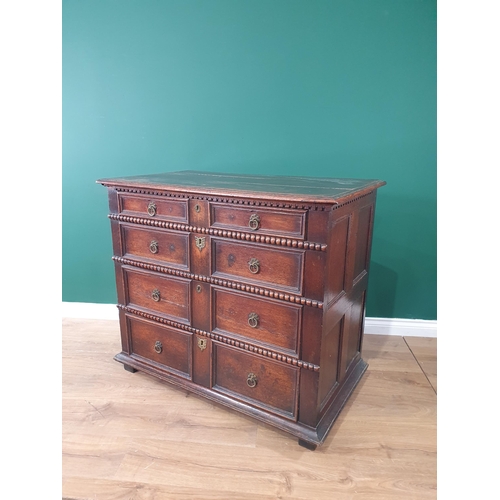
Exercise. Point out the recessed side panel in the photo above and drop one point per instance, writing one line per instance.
(363, 235)
(330, 348)
(337, 255)
(352, 335)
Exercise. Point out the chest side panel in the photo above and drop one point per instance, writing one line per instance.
(349, 244)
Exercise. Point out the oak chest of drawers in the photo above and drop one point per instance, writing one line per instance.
(247, 290)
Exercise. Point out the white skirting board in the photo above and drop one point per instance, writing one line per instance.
(379, 326)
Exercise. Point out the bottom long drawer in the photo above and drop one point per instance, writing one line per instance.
(267, 384)
(172, 349)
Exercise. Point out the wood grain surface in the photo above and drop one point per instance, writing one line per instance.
(309, 189)
(130, 436)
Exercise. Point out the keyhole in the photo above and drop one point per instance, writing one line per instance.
(230, 259)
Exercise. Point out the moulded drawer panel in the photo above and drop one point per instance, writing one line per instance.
(290, 224)
(265, 383)
(279, 268)
(161, 294)
(264, 320)
(166, 346)
(169, 247)
(154, 207)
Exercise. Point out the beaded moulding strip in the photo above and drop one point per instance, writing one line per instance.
(219, 199)
(221, 338)
(237, 235)
(220, 282)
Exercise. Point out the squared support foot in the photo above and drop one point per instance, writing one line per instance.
(306, 444)
(129, 369)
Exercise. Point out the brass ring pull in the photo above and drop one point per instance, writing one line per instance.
(254, 266)
(254, 222)
(251, 380)
(253, 320)
(153, 247)
(158, 346)
(155, 295)
(152, 209)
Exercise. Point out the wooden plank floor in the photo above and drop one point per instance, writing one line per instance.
(128, 436)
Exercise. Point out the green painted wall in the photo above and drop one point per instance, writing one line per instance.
(285, 87)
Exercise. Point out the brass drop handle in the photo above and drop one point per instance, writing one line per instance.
(253, 320)
(254, 266)
(251, 380)
(158, 346)
(155, 295)
(153, 247)
(254, 222)
(152, 209)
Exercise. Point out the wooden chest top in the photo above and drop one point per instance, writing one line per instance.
(292, 189)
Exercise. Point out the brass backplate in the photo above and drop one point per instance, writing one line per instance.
(200, 242)
(202, 344)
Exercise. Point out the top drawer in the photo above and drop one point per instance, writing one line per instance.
(289, 223)
(154, 207)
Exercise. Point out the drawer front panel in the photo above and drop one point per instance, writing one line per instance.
(267, 321)
(154, 207)
(278, 268)
(158, 293)
(290, 224)
(265, 383)
(165, 246)
(163, 345)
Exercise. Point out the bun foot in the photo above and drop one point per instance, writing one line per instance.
(306, 444)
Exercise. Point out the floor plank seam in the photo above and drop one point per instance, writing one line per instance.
(127, 437)
(420, 366)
